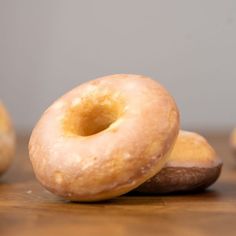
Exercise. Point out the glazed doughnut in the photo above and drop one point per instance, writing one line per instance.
(193, 165)
(7, 140)
(104, 138)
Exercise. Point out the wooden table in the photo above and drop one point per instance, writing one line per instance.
(27, 209)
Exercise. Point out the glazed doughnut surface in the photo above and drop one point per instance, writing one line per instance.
(104, 138)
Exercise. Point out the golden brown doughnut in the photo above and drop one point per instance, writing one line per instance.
(104, 138)
(192, 165)
(7, 140)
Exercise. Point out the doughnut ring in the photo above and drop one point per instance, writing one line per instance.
(104, 137)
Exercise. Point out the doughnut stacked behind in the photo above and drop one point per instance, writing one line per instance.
(193, 165)
(7, 140)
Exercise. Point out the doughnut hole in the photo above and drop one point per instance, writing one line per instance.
(92, 115)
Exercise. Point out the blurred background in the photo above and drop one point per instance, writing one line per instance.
(49, 46)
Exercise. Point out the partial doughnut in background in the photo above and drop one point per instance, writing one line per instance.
(7, 139)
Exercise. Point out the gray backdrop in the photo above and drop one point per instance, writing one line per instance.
(48, 47)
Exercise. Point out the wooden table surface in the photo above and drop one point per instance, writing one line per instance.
(27, 209)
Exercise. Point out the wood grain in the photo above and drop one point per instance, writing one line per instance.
(27, 209)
